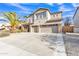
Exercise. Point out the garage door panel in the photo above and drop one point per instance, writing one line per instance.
(35, 29)
(49, 29)
(46, 29)
(55, 29)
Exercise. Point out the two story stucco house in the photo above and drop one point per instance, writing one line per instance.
(42, 20)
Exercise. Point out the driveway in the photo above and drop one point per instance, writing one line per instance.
(27, 42)
(32, 44)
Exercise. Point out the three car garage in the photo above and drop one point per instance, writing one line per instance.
(46, 28)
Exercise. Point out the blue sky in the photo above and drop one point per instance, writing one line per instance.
(24, 9)
(27, 8)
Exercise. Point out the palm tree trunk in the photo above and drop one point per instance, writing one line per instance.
(13, 29)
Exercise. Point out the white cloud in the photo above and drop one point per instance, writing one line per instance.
(69, 15)
(24, 12)
(19, 6)
(23, 9)
(51, 4)
(75, 4)
(59, 3)
(63, 8)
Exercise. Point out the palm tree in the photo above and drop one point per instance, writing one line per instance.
(13, 20)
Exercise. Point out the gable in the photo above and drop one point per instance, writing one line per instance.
(56, 16)
(39, 11)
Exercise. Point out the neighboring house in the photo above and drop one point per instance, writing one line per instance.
(5, 26)
(76, 20)
(44, 21)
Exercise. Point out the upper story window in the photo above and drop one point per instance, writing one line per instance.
(44, 14)
(55, 15)
(31, 19)
(41, 15)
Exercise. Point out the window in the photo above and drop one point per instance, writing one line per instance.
(37, 16)
(44, 14)
(41, 15)
(54, 15)
(57, 15)
(29, 20)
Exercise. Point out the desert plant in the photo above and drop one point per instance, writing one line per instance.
(13, 20)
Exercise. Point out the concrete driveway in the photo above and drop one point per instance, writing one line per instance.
(23, 44)
(31, 44)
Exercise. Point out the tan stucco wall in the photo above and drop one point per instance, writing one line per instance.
(59, 27)
(56, 17)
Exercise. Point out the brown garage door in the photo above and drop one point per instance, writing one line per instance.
(55, 28)
(49, 28)
(46, 29)
(36, 29)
